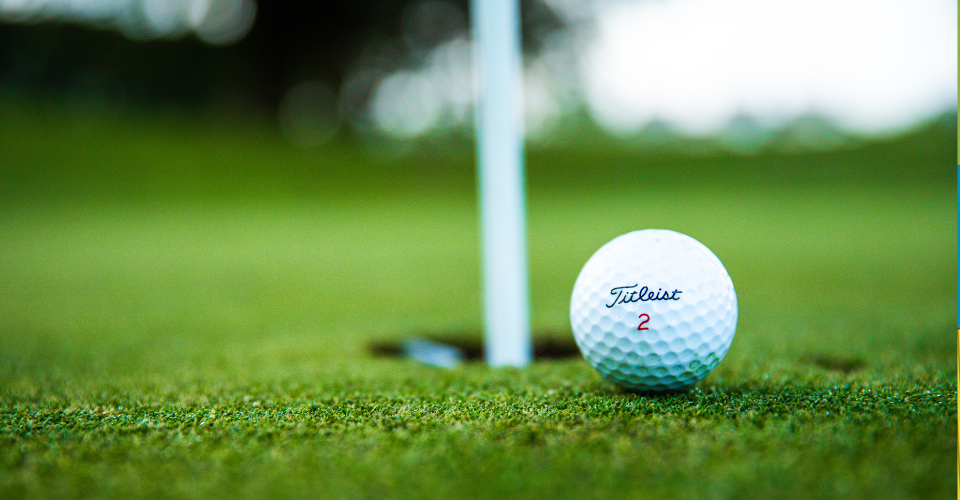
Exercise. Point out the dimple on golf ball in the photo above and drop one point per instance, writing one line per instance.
(654, 311)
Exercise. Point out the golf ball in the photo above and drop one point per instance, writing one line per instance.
(654, 311)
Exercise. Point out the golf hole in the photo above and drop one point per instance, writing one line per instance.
(449, 349)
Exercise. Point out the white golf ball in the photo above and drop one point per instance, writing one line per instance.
(654, 311)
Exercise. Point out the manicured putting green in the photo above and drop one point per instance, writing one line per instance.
(187, 311)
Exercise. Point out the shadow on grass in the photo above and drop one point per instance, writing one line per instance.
(836, 363)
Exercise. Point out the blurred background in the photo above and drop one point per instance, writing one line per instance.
(247, 178)
(386, 74)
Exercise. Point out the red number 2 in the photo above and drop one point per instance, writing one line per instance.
(641, 327)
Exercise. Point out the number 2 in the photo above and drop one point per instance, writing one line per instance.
(641, 327)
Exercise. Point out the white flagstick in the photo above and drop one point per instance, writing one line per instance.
(506, 314)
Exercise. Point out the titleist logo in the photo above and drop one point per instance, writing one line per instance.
(627, 294)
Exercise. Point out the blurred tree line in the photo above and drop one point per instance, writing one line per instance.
(290, 41)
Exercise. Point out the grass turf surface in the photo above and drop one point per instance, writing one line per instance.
(186, 310)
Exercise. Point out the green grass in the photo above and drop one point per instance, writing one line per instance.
(186, 310)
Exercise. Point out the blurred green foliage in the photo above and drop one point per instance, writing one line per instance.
(69, 150)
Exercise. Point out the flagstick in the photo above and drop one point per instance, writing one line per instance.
(496, 32)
